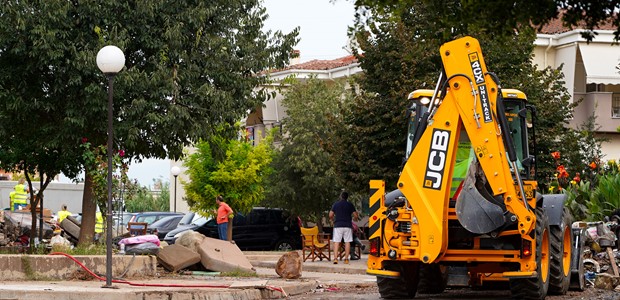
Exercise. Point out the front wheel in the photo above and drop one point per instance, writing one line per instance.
(403, 287)
(284, 245)
(561, 254)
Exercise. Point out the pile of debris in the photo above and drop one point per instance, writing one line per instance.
(15, 228)
(601, 254)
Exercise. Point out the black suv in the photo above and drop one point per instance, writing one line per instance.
(261, 229)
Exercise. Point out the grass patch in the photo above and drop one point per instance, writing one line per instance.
(90, 249)
(238, 273)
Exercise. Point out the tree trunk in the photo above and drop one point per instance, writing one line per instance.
(89, 208)
(33, 214)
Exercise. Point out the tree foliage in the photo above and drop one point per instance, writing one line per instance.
(189, 67)
(145, 199)
(305, 180)
(401, 53)
(239, 176)
(502, 17)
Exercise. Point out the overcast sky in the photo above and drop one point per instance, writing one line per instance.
(323, 33)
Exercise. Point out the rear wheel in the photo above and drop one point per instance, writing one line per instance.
(537, 287)
(561, 253)
(284, 245)
(433, 278)
(402, 287)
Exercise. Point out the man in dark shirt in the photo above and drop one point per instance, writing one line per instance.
(342, 215)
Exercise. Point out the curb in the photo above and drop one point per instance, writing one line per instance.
(326, 267)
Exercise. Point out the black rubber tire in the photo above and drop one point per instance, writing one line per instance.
(433, 278)
(560, 277)
(74, 220)
(404, 287)
(70, 228)
(535, 288)
(284, 245)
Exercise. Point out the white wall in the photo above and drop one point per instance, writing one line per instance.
(54, 195)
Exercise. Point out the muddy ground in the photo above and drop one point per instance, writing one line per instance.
(369, 291)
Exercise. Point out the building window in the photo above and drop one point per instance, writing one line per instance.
(615, 106)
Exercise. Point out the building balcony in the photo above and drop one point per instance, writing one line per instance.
(604, 105)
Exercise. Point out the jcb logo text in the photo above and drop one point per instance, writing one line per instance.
(436, 159)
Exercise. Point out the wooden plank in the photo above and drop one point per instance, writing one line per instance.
(612, 260)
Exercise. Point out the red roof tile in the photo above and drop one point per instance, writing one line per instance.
(555, 26)
(323, 64)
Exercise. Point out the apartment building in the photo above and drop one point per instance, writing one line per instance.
(591, 73)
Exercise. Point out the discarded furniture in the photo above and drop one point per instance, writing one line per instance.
(137, 228)
(316, 244)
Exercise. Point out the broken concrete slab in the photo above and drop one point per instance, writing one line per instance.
(176, 257)
(223, 256)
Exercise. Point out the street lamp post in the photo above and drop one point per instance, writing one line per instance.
(175, 172)
(110, 60)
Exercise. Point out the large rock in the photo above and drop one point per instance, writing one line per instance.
(606, 281)
(223, 256)
(289, 265)
(176, 257)
(190, 239)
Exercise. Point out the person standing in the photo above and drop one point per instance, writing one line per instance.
(63, 213)
(98, 225)
(342, 215)
(20, 198)
(11, 196)
(223, 210)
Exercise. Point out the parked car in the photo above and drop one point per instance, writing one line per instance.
(151, 216)
(172, 236)
(260, 229)
(164, 225)
(188, 218)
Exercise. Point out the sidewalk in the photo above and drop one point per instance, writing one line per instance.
(266, 286)
(268, 259)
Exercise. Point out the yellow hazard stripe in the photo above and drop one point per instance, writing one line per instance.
(376, 200)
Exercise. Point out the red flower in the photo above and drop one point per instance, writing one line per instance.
(121, 153)
(562, 172)
(592, 165)
(555, 155)
(577, 177)
(84, 140)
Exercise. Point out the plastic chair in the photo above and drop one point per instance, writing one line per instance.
(316, 244)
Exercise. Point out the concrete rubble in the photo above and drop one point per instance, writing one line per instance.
(601, 254)
(15, 228)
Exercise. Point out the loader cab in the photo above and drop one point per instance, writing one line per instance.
(420, 99)
(515, 103)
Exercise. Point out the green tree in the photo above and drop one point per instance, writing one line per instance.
(401, 53)
(305, 180)
(502, 17)
(239, 176)
(189, 67)
(146, 200)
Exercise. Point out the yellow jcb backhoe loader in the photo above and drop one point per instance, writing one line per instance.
(467, 200)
